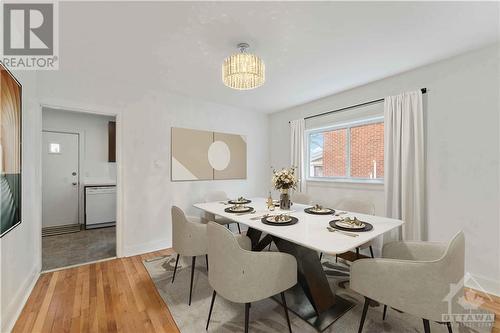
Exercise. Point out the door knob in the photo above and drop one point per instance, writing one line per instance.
(73, 173)
(75, 184)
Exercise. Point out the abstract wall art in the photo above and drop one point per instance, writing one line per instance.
(206, 155)
(10, 152)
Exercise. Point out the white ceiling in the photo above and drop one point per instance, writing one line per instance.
(310, 49)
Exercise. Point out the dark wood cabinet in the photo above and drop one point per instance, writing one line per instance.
(112, 141)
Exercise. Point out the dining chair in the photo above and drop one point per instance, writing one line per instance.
(218, 196)
(356, 206)
(361, 207)
(242, 276)
(301, 198)
(413, 277)
(189, 239)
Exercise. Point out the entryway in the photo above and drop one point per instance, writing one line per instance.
(78, 187)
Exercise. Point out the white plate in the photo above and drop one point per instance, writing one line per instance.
(239, 209)
(271, 219)
(349, 225)
(322, 210)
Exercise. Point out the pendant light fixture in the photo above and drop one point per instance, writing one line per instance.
(243, 71)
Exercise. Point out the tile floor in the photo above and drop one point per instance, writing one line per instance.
(77, 248)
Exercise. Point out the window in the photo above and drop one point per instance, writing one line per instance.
(352, 150)
(54, 148)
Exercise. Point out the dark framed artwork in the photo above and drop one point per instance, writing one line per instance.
(10, 151)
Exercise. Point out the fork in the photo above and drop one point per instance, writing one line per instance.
(260, 217)
(342, 232)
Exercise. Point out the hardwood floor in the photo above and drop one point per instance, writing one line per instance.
(110, 296)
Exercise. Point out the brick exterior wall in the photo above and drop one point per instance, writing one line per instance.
(334, 156)
(367, 145)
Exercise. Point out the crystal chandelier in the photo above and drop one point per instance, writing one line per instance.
(243, 71)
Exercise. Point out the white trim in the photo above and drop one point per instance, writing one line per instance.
(16, 306)
(379, 181)
(120, 219)
(347, 126)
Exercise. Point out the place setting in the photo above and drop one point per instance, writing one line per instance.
(239, 206)
(348, 226)
(279, 219)
(319, 210)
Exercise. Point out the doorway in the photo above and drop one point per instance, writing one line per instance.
(60, 180)
(78, 188)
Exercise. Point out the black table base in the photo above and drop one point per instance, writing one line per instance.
(311, 299)
(299, 304)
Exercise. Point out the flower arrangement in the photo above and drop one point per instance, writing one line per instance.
(284, 179)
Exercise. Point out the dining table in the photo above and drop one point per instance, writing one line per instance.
(312, 298)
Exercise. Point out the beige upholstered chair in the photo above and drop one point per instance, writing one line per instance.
(358, 206)
(242, 276)
(301, 198)
(189, 239)
(413, 277)
(218, 196)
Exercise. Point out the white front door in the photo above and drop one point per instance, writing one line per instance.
(60, 178)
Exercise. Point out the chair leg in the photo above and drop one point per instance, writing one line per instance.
(239, 229)
(206, 260)
(320, 255)
(175, 269)
(427, 327)
(247, 315)
(371, 251)
(192, 275)
(385, 311)
(357, 253)
(211, 307)
(336, 259)
(286, 312)
(363, 315)
(450, 330)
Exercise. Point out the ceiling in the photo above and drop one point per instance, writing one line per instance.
(311, 50)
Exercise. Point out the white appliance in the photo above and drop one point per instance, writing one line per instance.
(100, 206)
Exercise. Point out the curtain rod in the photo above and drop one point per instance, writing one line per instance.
(423, 90)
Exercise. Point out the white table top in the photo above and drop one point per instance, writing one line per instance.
(311, 230)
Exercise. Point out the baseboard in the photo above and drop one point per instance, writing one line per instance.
(488, 285)
(147, 247)
(18, 301)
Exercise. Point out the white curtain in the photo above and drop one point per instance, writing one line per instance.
(404, 173)
(297, 145)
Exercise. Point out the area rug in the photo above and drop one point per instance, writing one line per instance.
(267, 316)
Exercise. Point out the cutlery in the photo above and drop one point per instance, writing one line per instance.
(340, 213)
(342, 232)
(259, 217)
(224, 203)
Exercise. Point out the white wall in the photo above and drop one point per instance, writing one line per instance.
(146, 120)
(93, 129)
(20, 249)
(462, 143)
(149, 193)
(93, 132)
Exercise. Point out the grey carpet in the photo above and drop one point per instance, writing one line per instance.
(267, 315)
